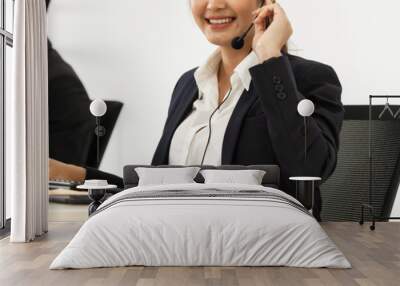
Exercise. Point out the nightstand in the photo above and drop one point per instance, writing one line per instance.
(97, 190)
(305, 187)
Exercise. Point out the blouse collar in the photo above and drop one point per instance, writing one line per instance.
(206, 74)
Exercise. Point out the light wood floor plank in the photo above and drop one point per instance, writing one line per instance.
(375, 257)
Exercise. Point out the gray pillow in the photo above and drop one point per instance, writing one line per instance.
(162, 176)
(248, 177)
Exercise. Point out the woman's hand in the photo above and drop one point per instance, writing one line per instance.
(61, 171)
(268, 42)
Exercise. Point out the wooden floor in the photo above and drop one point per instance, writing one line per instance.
(375, 256)
(67, 213)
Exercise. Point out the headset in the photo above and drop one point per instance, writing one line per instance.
(209, 125)
(237, 43)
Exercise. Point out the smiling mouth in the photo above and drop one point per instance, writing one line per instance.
(220, 21)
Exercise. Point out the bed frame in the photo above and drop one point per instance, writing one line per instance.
(131, 178)
(270, 179)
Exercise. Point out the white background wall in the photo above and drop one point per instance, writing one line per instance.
(135, 51)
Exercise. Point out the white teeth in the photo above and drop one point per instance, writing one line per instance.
(220, 21)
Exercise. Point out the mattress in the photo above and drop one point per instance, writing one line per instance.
(201, 225)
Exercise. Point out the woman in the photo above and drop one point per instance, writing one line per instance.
(252, 96)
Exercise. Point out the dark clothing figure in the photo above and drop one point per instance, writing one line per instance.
(70, 123)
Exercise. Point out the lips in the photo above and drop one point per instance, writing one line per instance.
(219, 22)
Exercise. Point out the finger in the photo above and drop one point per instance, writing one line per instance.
(276, 7)
(259, 27)
(265, 11)
(261, 7)
(266, 7)
(260, 24)
(255, 12)
(269, 2)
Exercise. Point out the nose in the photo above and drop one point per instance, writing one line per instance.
(216, 4)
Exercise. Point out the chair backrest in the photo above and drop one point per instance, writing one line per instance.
(270, 179)
(344, 192)
(108, 120)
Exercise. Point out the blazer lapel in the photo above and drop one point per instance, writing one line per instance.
(235, 122)
(182, 110)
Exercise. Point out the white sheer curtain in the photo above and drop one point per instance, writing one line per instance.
(27, 123)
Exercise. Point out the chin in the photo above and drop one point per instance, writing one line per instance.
(220, 41)
(222, 38)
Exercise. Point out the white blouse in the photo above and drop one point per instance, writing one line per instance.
(190, 138)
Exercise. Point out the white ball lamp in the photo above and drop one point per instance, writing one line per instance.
(305, 108)
(98, 108)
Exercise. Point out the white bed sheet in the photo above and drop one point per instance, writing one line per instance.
(200, 232)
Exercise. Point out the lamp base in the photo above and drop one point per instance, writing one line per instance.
(96, 195)
(305, 187)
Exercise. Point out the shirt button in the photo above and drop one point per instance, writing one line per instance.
(281, 95)
(279, 87)
(276, 79)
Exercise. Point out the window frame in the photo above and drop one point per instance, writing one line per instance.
(6, 39)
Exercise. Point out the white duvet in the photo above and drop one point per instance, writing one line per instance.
(203, 231)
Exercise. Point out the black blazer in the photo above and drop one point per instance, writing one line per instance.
(265, 127)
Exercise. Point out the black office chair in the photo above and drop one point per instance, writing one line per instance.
(88, 142)
(108, 121)
(345, 191)
(83, 136)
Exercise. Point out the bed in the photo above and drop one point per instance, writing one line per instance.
(201, 224)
